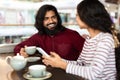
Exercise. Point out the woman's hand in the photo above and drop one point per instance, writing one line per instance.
(54, 60)
(23, 53)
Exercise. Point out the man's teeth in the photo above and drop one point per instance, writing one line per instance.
(52, 25)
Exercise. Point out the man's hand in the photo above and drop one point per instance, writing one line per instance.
(23, 53)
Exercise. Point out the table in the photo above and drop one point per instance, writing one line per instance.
(7, 73)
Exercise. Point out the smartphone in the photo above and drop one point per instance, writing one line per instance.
(42, 51)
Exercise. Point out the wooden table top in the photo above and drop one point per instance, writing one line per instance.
(7, 73)
(5, 69)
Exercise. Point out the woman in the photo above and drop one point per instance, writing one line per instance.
(97, 59)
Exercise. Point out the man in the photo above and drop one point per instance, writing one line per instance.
(53, 36)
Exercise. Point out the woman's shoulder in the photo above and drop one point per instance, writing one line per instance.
(106, 38)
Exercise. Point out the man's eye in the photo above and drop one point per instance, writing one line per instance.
(54, 17)
(45, 18)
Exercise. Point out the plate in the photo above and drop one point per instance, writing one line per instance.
(32, 59)
(29, 77)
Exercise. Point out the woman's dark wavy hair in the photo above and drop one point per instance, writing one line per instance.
(40, 17)
(94, 14)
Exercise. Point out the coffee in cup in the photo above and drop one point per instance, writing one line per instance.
(37, 71)
(30, 50)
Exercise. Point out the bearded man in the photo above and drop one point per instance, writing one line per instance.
(52, 35)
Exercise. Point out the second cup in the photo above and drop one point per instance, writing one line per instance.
(30, 50)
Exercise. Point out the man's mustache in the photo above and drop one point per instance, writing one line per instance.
(51, 23)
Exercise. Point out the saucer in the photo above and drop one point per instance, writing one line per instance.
(32, 59)
(29, 77)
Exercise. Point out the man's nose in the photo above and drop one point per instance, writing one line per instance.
(50, 20)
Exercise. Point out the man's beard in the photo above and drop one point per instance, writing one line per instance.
(51, 32)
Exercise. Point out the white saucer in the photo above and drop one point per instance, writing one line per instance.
(32, 59)
(29, 77)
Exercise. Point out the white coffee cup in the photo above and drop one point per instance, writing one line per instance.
(37, 70)
(30, 50)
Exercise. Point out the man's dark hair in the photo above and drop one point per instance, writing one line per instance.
(41, 15)
(94, 14)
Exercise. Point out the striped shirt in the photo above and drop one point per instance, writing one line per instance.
(97, 59)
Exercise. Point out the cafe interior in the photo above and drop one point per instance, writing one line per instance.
(17, 19)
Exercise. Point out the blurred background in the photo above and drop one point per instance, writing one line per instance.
(17, 18)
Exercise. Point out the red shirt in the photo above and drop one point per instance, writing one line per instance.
(68, 44)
